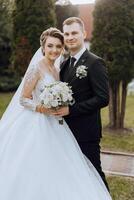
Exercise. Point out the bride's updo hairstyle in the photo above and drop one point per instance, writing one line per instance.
(50, 32)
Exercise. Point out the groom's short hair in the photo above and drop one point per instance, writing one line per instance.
(72, 20)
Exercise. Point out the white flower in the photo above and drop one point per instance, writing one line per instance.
(54, 103)
(81, 71)
(56, 94)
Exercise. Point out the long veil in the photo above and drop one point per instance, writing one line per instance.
(14, 109)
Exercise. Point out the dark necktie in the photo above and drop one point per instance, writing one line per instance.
(72, 61)
(71, 66)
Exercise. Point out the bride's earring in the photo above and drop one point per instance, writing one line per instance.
(43, 52)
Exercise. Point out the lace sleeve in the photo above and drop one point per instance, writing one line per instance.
(30, 82)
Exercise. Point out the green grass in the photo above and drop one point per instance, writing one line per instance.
(129, 115)
(4, 101)
(121, 188)
(120, 142)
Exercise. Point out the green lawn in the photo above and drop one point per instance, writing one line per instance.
(4, 101)
(121, 188)
(119, 141)
(129, 116)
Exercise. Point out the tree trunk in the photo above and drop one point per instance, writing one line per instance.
(117, 105)
(111, 115)
(123, 103)
(114, 105)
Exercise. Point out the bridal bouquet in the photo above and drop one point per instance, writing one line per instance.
(56, 95)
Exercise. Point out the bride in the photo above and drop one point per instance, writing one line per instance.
(39, 158)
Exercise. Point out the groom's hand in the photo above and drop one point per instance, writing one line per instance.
(63, 111)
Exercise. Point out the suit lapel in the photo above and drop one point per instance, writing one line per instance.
(81, 61)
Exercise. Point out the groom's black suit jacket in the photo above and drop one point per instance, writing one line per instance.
(91, 93)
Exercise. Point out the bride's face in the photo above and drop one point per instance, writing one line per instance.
(53, 48)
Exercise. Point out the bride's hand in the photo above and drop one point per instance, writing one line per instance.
(43, 109)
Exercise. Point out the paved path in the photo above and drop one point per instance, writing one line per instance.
(118, 163)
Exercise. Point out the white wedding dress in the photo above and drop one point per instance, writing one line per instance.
(41, 160)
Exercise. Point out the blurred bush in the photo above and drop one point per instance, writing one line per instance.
(8, 81)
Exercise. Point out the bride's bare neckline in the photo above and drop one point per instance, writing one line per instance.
(44, 70)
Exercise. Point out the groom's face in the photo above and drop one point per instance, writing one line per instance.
(73, 37)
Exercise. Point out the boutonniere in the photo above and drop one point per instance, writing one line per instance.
(81, 71)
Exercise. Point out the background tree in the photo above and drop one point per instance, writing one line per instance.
(65, 9)
(113, 39)
(7, 79)
(30, 18)
(5, 33)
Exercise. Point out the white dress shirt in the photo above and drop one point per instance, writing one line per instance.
(79, 54)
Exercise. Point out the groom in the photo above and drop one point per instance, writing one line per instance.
(90, 91)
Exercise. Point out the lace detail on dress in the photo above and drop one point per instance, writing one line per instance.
(32, 74)
(28, 103)
(34, 82)
(30, 81)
